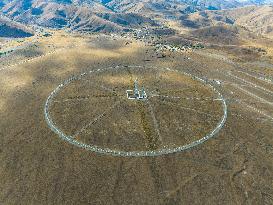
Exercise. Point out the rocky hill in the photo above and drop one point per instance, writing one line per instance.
(255, 19)
(12, 29)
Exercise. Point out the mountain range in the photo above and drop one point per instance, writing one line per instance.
(124, 15)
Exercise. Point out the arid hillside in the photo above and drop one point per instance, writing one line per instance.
(91, 16)
(121, 15)
(222, 34)
(256, 19)
(12, 29)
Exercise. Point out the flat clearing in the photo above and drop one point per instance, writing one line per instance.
(37, 167)
(95, 110)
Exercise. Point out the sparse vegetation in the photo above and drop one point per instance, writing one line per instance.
(230, 49)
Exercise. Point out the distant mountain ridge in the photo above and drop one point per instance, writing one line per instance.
(81, 15)
(116, 15)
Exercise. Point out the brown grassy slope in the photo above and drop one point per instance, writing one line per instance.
(224, 34)
(257, 19)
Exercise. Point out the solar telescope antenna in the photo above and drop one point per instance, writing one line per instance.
(136, 92)
(143, 93)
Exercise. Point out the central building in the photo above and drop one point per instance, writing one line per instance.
(136, 94)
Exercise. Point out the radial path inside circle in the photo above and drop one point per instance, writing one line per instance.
(95, 110)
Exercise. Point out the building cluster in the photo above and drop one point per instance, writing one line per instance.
(153, 37)
(136, 94)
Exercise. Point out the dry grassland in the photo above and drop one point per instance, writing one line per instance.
(37, 167)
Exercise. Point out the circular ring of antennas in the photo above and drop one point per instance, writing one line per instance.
(149, 153)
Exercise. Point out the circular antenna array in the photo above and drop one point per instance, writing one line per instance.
(135, 111)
